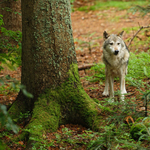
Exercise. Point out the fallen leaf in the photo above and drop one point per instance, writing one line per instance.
(21, 142)
(129, 118)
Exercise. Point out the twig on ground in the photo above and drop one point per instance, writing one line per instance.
(143, 27)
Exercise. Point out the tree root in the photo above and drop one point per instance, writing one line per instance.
(68, 103)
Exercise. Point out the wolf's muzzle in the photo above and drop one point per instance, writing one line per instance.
(116, 52)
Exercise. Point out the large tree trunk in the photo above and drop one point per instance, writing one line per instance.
(11, 11)
(50, 71)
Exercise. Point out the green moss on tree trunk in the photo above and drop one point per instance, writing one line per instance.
(68, 103)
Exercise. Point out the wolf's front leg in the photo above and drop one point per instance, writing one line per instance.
(106, 89)
(111, 85)
(122, 86)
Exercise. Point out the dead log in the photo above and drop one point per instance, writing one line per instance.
(85, 66)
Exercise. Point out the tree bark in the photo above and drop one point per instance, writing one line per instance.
(50, 71)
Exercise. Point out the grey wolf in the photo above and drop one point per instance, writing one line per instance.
(115, 57)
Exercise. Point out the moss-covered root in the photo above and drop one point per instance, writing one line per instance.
(71, 101)
(82, 108)
(68, 103)
(45, 118)
(49, 113)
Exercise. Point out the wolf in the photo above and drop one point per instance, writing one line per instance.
(115, 57)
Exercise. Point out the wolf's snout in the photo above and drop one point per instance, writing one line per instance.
(116, 52)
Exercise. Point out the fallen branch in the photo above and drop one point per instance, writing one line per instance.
(86, 66)
(136, 34)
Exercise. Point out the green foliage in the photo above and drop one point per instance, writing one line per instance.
(138, 44)
(141, 130)
(25, 92)
(24, 115)
(11, 85)
(40, 143)
(138, 67)
(98, 73)
(10, 47)
(113, 137)
(1, 20)
(116, 134)
(10, 57)
(67, 137)
(3, 146)
(98, 5)
(5, 120)
(71, 2)
(10, 52)
(143, 10)
(129, 29)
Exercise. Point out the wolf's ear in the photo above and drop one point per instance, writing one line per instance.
(120, 34)
(105, 35)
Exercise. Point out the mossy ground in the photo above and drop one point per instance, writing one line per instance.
(140, 128)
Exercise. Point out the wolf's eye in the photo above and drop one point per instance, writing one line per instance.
(111, 43)
(118, 43)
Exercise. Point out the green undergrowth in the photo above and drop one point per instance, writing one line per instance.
(141, 41)
(10, 47)
(120, 132)
(114, 133)
(143, 10)
(138, 68)
(7, 123)
(81, 138)
(10, 58)
(120, 5)
(140, 130)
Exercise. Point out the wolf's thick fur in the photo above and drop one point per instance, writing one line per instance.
(115, 57)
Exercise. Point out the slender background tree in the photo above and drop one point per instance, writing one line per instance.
(11, 11)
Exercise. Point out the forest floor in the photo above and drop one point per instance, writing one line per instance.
(88, 31)
(88, 28)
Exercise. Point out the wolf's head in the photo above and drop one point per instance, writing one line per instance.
(113, 43)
